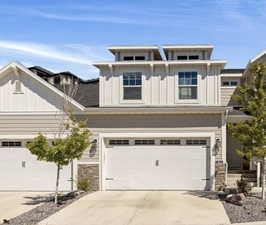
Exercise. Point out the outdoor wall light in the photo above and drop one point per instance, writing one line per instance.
(217, 146)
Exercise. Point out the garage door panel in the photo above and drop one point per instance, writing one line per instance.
(134, 167)
(33, 175)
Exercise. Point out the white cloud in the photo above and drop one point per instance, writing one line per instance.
(76, 58)
(92, 18)
(44, 51)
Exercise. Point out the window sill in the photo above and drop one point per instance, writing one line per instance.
(178, 101)
(122, 101)
(228, 87)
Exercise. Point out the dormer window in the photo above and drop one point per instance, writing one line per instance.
(18, 89)
(132, 85)
(139, 57)
(193, 57)
(132, 58)
(128, 58)
(182, 57)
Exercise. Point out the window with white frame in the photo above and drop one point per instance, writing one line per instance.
(187, 85)
(230, 83)
(132, 86)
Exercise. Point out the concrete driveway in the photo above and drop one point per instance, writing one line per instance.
(13, 204)
(141, 208)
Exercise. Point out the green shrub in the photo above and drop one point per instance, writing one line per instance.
(83, 185)
(243, 186)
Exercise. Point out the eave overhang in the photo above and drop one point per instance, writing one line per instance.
(170, 62)
(157, 110)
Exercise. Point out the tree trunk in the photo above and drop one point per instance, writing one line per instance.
(57, 185)
(263, 179)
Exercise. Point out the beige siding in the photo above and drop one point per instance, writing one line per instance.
(29, 124)
(159, 86)
(227, 92)
(226, 96)
(154, 123)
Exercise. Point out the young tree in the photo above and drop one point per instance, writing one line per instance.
(251, 133)
(62, 150)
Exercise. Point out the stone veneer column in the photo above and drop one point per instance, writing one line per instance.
(220, 174)
(90, 172)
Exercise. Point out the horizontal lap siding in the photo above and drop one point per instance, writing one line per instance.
(226, 96)
(48, 124)
(29, 124)
(154, 123)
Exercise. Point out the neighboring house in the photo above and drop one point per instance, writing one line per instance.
(159, 120)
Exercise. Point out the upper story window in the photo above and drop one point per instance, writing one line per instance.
(128, 58)
(139, 57)
(132, 86)
(57, 80)
(131, 58)
(187, 57)
(187, 85)
(231, 83)
(193, 57)
(182, 57)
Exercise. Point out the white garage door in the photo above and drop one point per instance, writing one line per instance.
(169, 165)
(20, 171)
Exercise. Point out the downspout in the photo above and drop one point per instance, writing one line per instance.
(226, 164)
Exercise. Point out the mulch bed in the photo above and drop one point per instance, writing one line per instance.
(46, 209)
(253, 209)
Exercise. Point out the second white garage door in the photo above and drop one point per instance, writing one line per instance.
(157, 167)
(21, 171)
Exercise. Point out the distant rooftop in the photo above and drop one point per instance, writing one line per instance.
(240, 70)
(205, 46)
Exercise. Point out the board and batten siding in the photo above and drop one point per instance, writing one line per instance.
(159, 86)
(34, 96)
(152, 124)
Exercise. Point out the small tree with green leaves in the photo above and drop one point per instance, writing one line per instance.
(62, 150)
(251, 133)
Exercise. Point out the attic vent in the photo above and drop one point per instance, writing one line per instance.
(17, 87)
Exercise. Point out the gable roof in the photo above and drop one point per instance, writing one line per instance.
(18, 65)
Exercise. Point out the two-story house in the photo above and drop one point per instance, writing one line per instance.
(158, 115)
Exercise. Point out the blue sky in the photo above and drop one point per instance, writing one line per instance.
(68, 35)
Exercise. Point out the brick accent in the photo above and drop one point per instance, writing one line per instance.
(90, 172)
(219, 175)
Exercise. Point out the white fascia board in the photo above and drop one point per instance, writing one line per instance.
(130, 47)
(231, 74)
(170, 62)
(36, 77)
(258, 56)
(166, 47)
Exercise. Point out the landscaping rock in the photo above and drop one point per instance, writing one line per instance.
(234, 199)
(253, 210)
